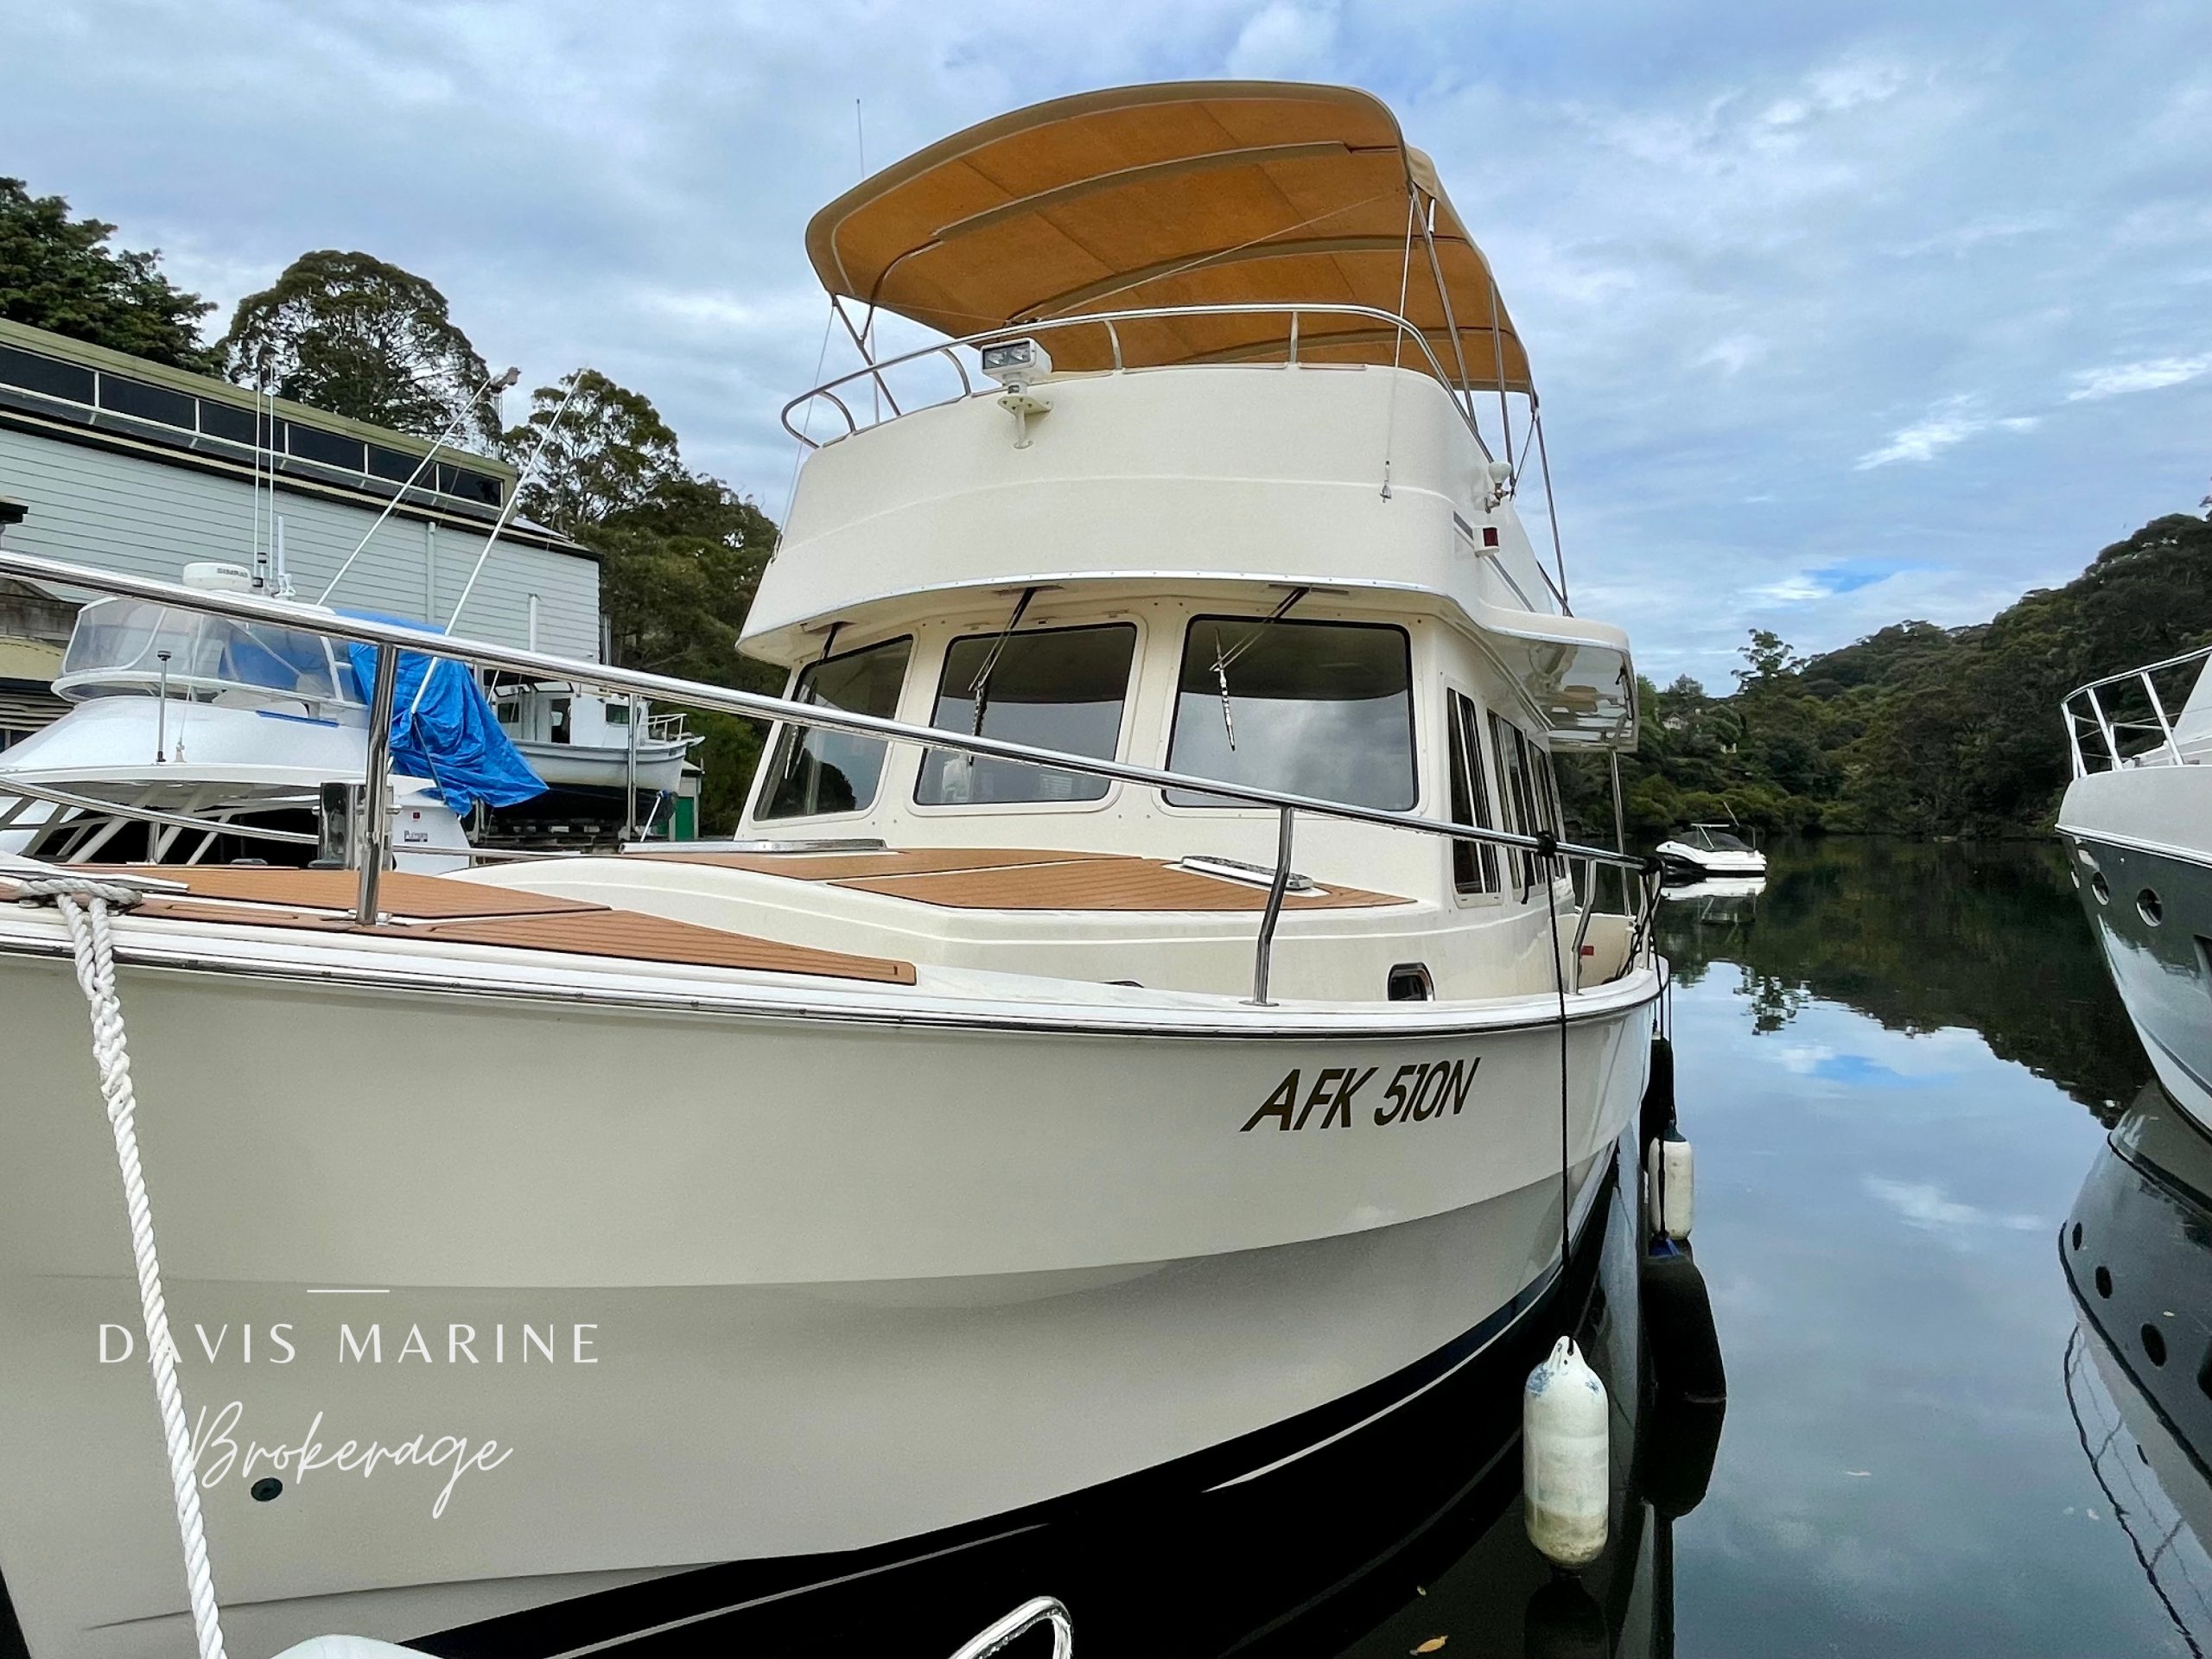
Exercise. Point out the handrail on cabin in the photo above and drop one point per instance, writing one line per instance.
(1108, 320)
(2084, 705)
(373, 846)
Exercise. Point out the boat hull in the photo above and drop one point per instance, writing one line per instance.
(731, 1287)
(2145, 874)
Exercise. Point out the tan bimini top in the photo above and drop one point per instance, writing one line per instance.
(1192, 192)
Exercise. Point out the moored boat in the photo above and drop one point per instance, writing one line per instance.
(2137, 818)
(1147, 1022)
(1710, 851)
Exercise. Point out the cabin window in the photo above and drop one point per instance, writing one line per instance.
(1526, 789)
(1474, 863)
(1053, 688)
(816, 771)
(1320, 708)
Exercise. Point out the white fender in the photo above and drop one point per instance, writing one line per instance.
(1670, 1187)
(1566, 1462)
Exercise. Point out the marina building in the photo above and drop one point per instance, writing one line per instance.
(119, 463)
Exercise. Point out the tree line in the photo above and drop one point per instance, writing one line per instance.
(1915, 729)
(680, 551)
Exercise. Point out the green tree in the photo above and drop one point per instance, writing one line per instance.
(347, 333)
(608, 452)
(1769, 657)
(58, 273)
(678, 571)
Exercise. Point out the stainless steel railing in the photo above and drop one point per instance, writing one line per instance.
(373, 848)
(1109, 321)
(2123, 736)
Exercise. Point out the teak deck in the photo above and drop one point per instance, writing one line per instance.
(470, 912)
(989, 878)
(476, 912)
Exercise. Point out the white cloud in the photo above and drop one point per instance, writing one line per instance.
(1284, 41)
(1948, 423)
(2150, 375)
(1926, 1205)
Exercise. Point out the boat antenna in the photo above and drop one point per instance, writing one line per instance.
(979, 688)
(1223, 660)
(514, 499)
(492, 386)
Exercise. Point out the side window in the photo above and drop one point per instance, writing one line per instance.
(1052, 689)
(1519, 792)
(815, 771)
(1474, 863)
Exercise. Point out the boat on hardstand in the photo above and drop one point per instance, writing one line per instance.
(1094, 1062)
(2137, 819)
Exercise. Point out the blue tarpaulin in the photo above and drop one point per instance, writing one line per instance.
(446, 732)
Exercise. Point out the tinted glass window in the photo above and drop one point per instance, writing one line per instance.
(329, 448)
(393, 464)
(1320, 708)
(1054, 689)
(1525, 789)
(815, 771)
(460, 482)
(146, 403)
(34, 373)
(226, 421)
(1474, 863)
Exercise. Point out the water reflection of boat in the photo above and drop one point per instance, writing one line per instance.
(1725, 888)
(2138, 818)
(2138, 1252)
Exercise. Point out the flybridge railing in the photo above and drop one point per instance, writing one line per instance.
(2124, 718)
(370, 850)
(1109, 321)
(874, 376)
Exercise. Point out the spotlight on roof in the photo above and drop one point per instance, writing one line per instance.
(1015, 363)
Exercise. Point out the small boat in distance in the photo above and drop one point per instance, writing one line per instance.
(1705, 851)
(2137, 819)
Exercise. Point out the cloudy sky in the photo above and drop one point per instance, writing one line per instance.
(1842, 313)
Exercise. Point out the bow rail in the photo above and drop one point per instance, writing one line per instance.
(371, 851)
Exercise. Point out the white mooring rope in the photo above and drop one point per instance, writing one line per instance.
(84, 904)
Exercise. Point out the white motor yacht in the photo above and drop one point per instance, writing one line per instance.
(1705, 851)
(1147, 1029)
(2137, 821)
(193, 739)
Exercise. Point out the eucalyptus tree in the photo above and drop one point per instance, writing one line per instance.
(353, 334)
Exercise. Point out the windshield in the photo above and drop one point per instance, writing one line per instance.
(816, 771)
(1054, 689)
(1721, 842)
(1320, 708)
(122, 640)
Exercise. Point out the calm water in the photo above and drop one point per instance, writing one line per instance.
(1898, 1066)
